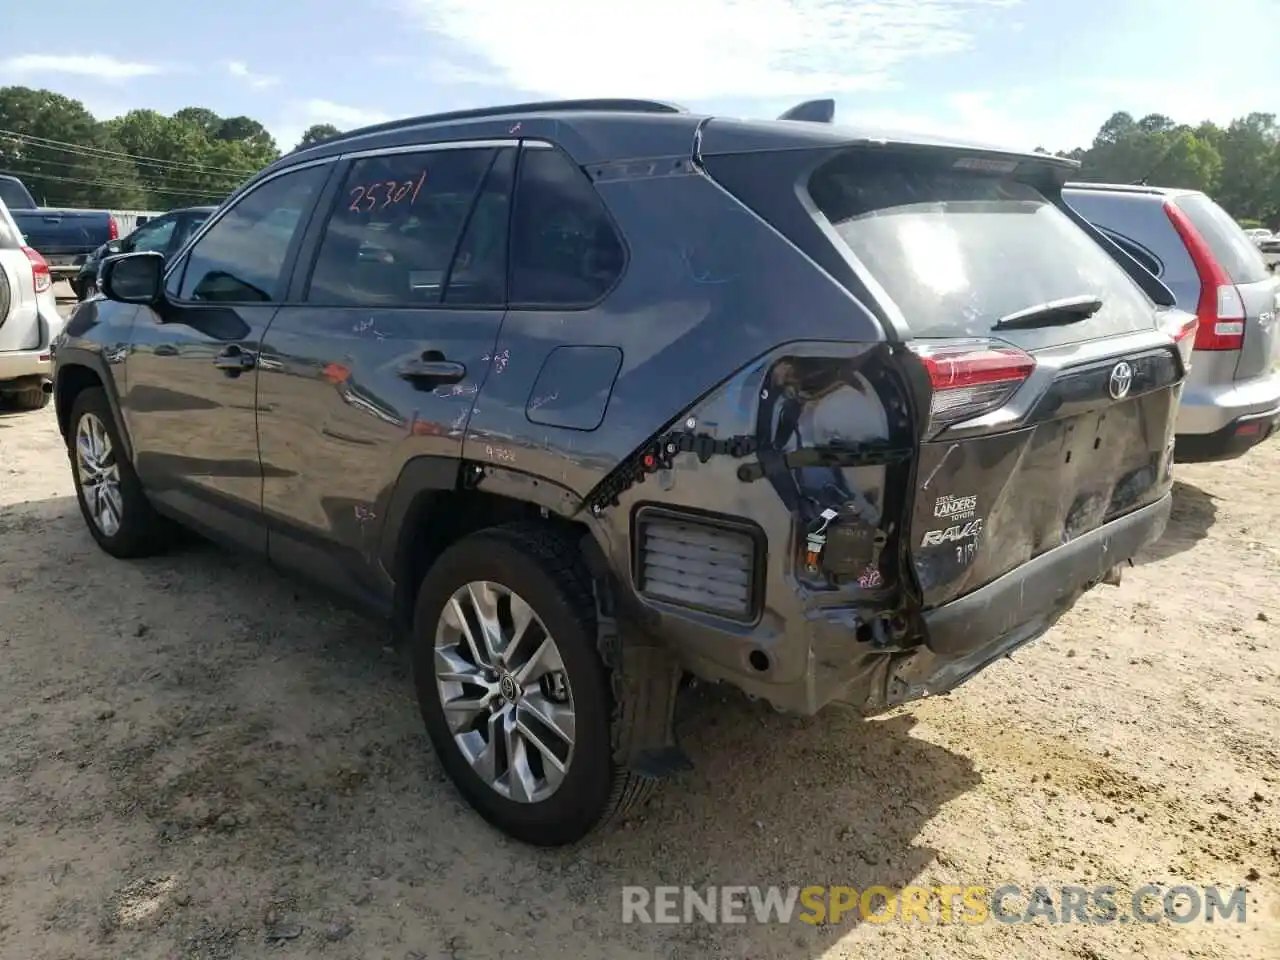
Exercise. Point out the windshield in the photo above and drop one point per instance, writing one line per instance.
(957, 250)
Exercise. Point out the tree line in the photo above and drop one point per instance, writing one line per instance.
(142, 160)
(148, 161)
(1238, 165)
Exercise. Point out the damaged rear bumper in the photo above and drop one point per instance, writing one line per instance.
(963, 636)
(1043, 586)
(971, 632)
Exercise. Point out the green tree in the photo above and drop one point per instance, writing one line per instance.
(317, 132)
(248, 131)
(36, 127)
(1153, 149)
(202, 117)
(180, 163)
(1250, 177)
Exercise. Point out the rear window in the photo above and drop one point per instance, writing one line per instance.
(1237, 254)
(14, 195)
(958, 250)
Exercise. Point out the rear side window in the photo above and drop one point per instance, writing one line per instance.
(1237, 254)
(396, 226)
(564, 249)
(958, 250)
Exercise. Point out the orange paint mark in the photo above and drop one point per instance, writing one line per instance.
(336, 373)
(425, 428)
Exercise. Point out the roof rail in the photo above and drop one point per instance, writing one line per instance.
(813, 111)
(606, 105)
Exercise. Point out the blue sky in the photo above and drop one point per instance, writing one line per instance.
(1021, 72)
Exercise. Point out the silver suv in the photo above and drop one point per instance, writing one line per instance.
(1231, 401)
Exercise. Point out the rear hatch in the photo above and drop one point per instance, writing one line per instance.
(1046, 381)
(1239, 291)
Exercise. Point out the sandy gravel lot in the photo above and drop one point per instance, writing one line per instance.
(201, 758)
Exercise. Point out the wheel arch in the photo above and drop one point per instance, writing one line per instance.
(437, 501)
(80, 370)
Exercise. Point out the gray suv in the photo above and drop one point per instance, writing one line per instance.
(589, 396)
(1232, 398)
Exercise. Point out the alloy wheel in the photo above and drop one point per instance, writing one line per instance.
(99, 474)
(505, 692)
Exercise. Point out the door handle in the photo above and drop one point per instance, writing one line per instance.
(233, 361)
(431, 370)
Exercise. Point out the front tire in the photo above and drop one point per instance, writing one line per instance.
(512, 690)
(111, 498)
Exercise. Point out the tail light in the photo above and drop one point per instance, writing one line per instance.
(1221, 308)
(41, 279)
(971, 377)
(113, 228)
(1182, 328)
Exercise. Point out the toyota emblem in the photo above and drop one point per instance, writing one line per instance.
(1121, 380)
(507, 687)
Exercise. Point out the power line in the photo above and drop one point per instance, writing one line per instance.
(170, 177)
(118, 186)
(102, 153)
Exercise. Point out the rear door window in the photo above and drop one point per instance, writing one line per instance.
(396, 227)
(957, 250)
(1237, 254)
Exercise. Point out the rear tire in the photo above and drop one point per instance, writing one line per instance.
(29, 398)
(115, 508)
(504, 566)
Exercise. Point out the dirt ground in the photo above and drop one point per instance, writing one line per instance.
(201, 758)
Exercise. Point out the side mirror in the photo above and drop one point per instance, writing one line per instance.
(113, 248)
(133, 278)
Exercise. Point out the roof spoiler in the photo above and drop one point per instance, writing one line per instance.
(812, 111)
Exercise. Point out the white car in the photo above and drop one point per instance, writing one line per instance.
(29, 321)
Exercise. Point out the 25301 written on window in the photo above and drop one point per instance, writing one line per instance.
(395, 228)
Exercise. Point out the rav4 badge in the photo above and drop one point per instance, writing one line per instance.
(935, 538)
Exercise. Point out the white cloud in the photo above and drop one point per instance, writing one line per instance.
(340, 115)
(101, 66)
(240, 70)
(709, 49)
(303, 114)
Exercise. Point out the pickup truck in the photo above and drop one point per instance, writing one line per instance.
(63, 237)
